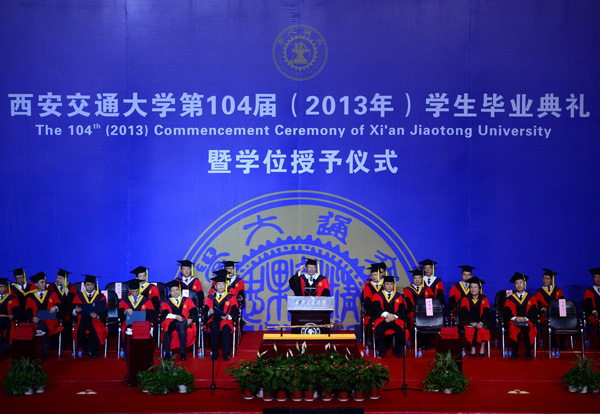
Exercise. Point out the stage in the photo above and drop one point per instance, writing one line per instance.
(498, 385)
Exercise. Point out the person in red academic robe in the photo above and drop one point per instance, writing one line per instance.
(10, 312)
(189, 281)
(546, 294)
(90, 321)
(591, 301)
(233, 283)
(20, 288)
(458, 291)
(219, 312)
(432, 281)
(370, 289)
(178, 314)
(134, 302)
(147, 289)
(389, 314)
(474, 316)
(413, 293)
(66, 292)
(42, 299)
(521, 315)
(309, 283)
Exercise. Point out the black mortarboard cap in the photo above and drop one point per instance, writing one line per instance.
(63, 272)
(139, 269)
(227, 263)
(549, 272)
(427, 262)
(382, 265)
(518, 276)
(186, 263)
(416, 272)
(595, 271)
(133, 284)
(4, 281)
(18, 271)
(37, 277)
(172, 283)
(467, 268)
(90, 279)
(475, 279)
(374, 267)
(221, 276)
(389, 279)
(310, 261)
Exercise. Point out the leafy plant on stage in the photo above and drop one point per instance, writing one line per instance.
(25, 375)
(445, 375)
(246, 375)
(164, 377)
(582, 377)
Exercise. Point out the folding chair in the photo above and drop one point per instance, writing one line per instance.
(428, 324)
(564, 325)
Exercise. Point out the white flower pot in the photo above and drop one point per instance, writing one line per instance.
(182, 389)
(41, 389)
(447, 390)
(29, 391)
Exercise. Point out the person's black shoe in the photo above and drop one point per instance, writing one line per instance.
(472, 355)
(528, 357)
(514, 355)
(183, 357)
(382, 353)
(425, 346)
(214, 356)
(481, 355)
(563, 348)
(226, 357)
(167, 355)
(124, 357)
(398, 354)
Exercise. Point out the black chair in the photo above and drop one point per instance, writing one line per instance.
(499, 301)
(426, 324)
(564, 325)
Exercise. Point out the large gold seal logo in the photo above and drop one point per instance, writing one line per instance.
(300, 52)
(270, 234)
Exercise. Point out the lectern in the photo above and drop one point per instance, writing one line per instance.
(308, 312)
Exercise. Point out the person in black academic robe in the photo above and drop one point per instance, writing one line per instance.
(309, 283)
(220, 311)
(521, 315)
(370, 289)
(134, 302)
(10, 312)
(189, 281)
(432, 281)
(90, 328)
(389, 315)
(458, 291)
(544, 295)
(20, 288)
(178, 314)
(66, 292)
(474, 316)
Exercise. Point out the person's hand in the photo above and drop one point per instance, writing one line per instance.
(301, 269)
(473, 324)
(211, 311)
(53, 309)
(129, 311)
(178, 318)
(35, 319)
(224, 317)
(240, 298)
(543, 310)
(479, 325)
(520, 319)
(94, 315)
(189, 321)
(392, 317)
(78, 309)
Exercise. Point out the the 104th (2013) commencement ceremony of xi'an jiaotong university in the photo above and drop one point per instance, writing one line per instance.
(300, 206)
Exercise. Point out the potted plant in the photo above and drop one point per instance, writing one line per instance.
(184, 380)
(25, 376)
(378, 378)
(581, 377)
(164, 377)
(444, 375)
(245, 376)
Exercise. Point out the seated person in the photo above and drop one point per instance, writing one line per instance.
(544, 295)
(20, 289)
(370, 289)
(90, 326)
(220, 310)
(134, 302)
(389, 313)
(66, 292)
(178, 314)
(309, 283)
(147, 289)
(591, 301)
(233, 283)
(189, 281)
(459, 290)
(520, 314)
(474, 316)
(39, 300)
(10, 313)
(432, 281)
(412, 294)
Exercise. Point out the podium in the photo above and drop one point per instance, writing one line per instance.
(140, 351)
(309, 311)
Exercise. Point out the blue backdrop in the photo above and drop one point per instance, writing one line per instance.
(142, 132)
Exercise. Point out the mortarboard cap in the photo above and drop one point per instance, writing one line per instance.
(227, 263)
(549, 272)
(4, 281)
(133, 284)
(595, 271)
(63, 272)
(310, 261)
(427, 262)
(91, 279)
(172, 283)
(518, 276)
(467, 268)
(221, 276)
(18, 271)
(391, 279)
(186, 263)
(139, 269)
(416, 272)
(382, 265)
(475, 279)
(37, 277)
(374, 267)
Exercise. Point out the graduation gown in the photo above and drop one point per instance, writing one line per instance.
(298, 283)
(470, 311)
(527, 307)
(195, 285)
(544, 297)
(236, 288)
(186, 308)
(457, 293)
(9, 305)
(21, 294)
(411, 295)
(66, 298)
(228, 304)
(34, 304)
(143, 304)
(591, 302)
(394, 305)
(368, 293)
(99, 325)
(437, 287)
(151, 292)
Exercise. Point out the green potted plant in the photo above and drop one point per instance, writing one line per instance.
(25, 376)
(444, 375)
(582, 377)
(184, 380)
(245, 376)
(164, 377)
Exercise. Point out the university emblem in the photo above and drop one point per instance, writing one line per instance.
(300, 52)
